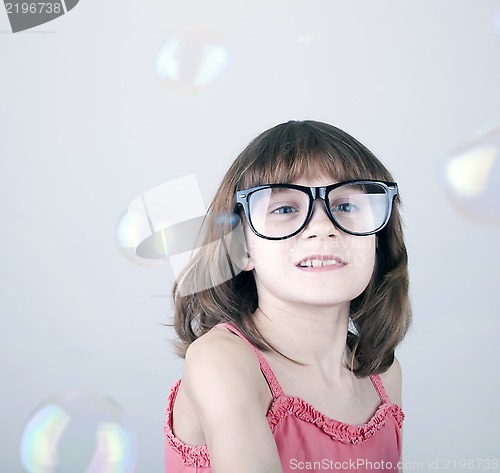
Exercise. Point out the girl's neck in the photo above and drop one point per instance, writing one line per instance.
(314, 337)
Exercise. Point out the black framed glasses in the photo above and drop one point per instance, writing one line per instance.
(280, 211)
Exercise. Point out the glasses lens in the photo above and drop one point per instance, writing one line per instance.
(278, 212)
(360, 207)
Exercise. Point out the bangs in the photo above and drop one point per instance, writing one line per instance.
(286, 169)
(296, 150)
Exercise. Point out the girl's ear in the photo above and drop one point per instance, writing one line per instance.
(238, 251)
(249, 263)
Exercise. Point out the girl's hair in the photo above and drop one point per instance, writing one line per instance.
(207, 292)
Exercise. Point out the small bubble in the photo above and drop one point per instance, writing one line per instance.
(78, 431)
(471, 177)
(191, 58)
(496, 21)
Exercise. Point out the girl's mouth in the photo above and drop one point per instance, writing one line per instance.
(319, 262)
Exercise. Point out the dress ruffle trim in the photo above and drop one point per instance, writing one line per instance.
(282, 407)
(195, 455)
(345, 433)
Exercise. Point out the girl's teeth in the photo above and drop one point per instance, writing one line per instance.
(315, 263)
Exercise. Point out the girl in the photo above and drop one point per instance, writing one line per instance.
(289, 353)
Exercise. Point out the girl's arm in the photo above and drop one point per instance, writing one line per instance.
(230, 397)
(392, 380)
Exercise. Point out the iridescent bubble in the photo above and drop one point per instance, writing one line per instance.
(166, 224)
(133, 228)
(497, 21)
(162, 221)
(191, 58)
(78, 431)
(471, 175)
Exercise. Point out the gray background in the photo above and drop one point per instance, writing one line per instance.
(87, 125)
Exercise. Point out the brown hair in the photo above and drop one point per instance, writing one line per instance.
(209, 290)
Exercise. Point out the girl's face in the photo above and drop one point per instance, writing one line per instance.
(322, 266)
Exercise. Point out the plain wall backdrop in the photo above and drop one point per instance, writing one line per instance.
(87, 124)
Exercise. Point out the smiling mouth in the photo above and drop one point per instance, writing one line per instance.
(320, 261)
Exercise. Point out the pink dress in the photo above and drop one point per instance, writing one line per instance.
(306, 439)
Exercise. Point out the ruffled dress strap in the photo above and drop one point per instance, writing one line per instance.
(268, 373)
(379, 387)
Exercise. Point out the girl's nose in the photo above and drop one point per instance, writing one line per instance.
(320, 224)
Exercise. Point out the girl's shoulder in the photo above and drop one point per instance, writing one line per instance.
(221, 408)
(392, 380)
(219, 360)
(222, 383)
(222, 379)
(217, 347)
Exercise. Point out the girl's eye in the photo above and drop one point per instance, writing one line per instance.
(346, 207)
(284, 209)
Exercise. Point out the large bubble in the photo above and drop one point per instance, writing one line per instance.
(471, 175)
(78, 431)
(162, 221)
(166, 224)
(191, 58)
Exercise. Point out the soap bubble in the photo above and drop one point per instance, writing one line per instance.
(78, 431)
(471, 177)
(166, 224)
(172, 240)
(162, 221)
(497, 20)
(191, 58)
(134, 228)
